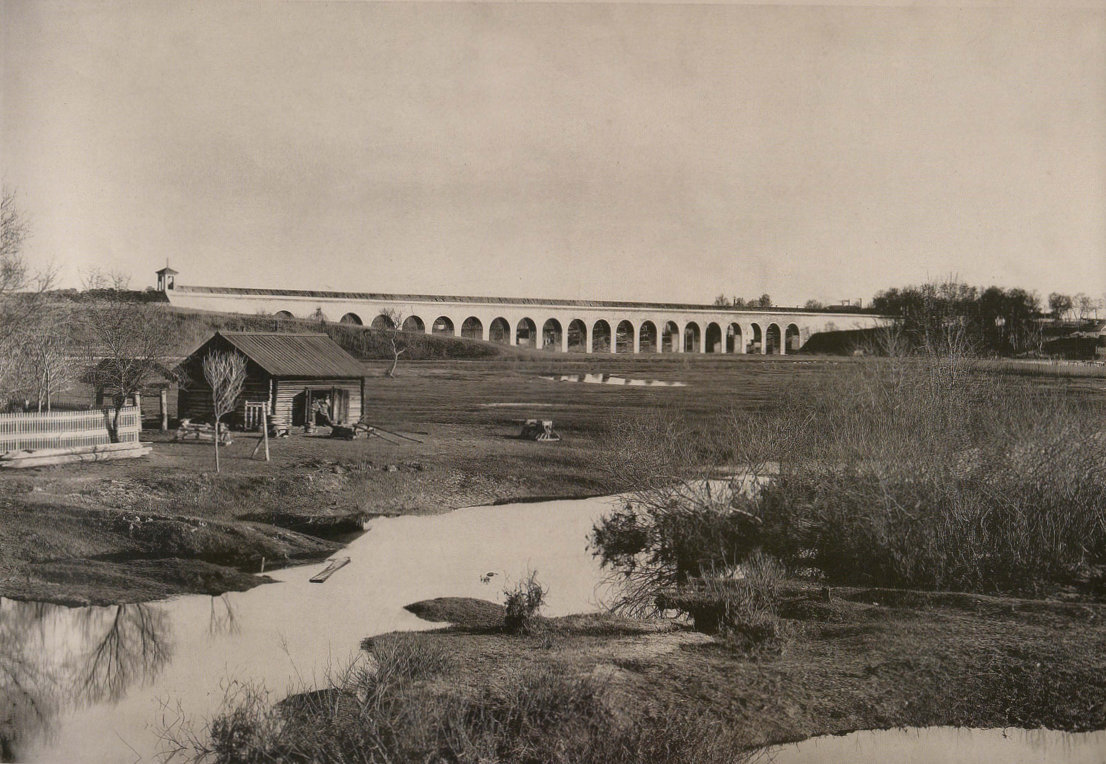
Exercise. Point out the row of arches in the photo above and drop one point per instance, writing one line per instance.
(601, 336)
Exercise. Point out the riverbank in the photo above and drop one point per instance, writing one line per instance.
(142, 530)
(863, 659)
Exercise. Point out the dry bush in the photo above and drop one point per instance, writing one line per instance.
(522, 601)
(927, 473)
(400, 707)
(912, 472)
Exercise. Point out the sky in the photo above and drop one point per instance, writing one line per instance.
(572, 150)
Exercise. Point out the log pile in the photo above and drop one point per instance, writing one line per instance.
(201, 432)
(49, 457)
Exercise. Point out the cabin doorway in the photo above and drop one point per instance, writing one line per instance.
(305, 408)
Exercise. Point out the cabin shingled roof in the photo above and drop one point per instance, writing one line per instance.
(295, 355)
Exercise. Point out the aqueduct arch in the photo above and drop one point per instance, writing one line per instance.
(526, 333)
(734, 339)
(691, 337)
(472, 328)
(601, 337)
(551, 335)
(577, 336)
(444, 326)
(713, 339)
(499, 331)
(624, 337)
(670, 340)
(647, 337)
(772, 340)
(792, 341)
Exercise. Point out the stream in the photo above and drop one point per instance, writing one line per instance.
(100, 684)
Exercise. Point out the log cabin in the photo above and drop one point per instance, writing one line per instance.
(289, 372)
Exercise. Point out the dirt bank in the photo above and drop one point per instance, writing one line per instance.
(79, 555)
(865, 660)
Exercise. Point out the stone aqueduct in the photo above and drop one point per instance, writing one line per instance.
(564, 325)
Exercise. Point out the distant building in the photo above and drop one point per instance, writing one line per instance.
(289, 372)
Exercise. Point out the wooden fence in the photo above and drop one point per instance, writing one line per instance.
(66, 429)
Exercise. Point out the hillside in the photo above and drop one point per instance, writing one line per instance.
(190, 328)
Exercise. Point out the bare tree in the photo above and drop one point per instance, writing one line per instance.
(14, 273)
(128, 342)
(395, 337)
(1084, 306)
(225, 374)
(47, 362)
(22, 294)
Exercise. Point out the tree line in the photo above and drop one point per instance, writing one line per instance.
(978, 320)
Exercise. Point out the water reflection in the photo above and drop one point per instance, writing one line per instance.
(120, 647)
(54, 658)
(948, 745)
(28, 688)
(222, 619)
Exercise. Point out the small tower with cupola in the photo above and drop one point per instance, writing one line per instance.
(166, 278)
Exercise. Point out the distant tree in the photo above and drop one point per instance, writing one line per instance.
(721, 301)
(813, 305)
(1059, 304)
(225, 374)
(740, 302)
(1084, 306)
(951, 316)
(764, 301)
(396, 339)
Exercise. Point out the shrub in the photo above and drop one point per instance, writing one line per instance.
(522, 603)
(908, 472)
(744, 610)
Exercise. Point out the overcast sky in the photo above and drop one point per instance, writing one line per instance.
(619, 151)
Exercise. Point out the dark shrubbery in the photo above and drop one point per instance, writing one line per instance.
(915, 472)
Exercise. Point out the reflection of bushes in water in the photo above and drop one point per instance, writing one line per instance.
(400, 706)
(118, 647)
(898, 472)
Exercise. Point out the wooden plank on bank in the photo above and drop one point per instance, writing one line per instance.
(330, 570)
(50, 461)
(93, 449)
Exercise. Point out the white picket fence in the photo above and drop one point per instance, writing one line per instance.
(66, 429)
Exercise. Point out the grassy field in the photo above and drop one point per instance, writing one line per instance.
(467, 415)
